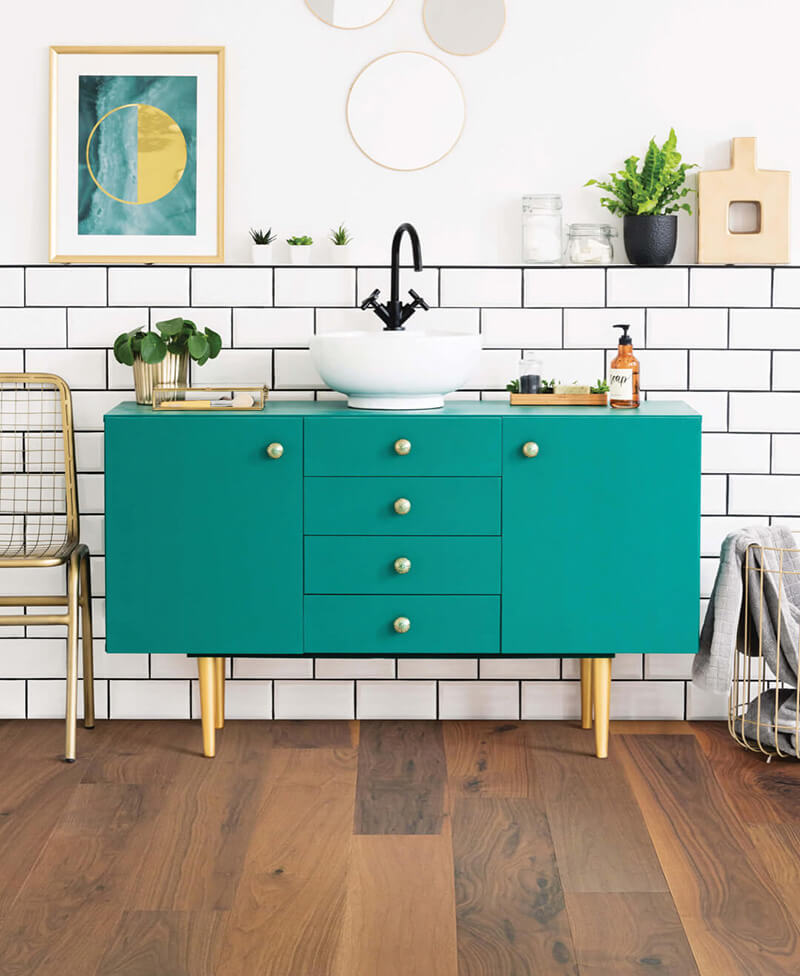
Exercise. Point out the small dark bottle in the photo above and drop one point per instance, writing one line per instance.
(623, 378)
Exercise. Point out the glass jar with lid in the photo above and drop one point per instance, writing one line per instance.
(530, 372)
(590, 244)
(541, 229)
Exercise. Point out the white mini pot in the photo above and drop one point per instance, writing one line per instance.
(261, 253)
(340, 254)
(300, 253)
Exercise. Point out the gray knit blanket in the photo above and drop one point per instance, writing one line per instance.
(772, 615)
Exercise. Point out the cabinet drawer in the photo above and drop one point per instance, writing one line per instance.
(355, 445)
(438, 624)
(366, 506)
(362, 564)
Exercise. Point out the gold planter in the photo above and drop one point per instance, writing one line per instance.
(173, 370)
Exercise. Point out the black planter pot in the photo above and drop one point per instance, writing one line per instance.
(650, 239)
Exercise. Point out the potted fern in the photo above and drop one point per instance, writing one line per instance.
(340, 237)
(161, 357)
(648, 200)
(300, 249)
(261, 248)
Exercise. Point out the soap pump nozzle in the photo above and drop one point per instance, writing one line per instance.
(624, 339)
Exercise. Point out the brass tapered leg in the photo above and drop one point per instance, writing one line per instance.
(219, 692)
(586, 692)
(206, 673)
(73, 574)
(88, 658)
(601, 696)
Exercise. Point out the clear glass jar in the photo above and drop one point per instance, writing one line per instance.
(541, 229)
(590, 244)
(530, 372)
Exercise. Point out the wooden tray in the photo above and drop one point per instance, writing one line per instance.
(559, 399)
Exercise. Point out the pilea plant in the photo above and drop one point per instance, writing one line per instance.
(303, 241)
(174, 335)
(656, 189)
(262, 236)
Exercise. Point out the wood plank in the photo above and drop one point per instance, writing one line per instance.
(510, 911)
(621, 934)
(731, 910)
(77, 889)
(778, 849)
(299, 734)
(400, 915)
(143, 752)
(163, 943)
(288, 913)
(635, 727)
(401, 778)
(201, 837)
(485, 758)
(36, 787)
(598, 831)
(759, 792)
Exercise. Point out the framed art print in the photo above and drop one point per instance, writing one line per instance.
(136, 154)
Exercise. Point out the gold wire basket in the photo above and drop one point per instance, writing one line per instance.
(764, 704)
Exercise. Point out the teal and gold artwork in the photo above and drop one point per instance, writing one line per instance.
(137, 149)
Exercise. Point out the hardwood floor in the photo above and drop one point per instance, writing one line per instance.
(396, 849)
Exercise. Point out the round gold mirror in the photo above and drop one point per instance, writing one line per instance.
(464, 26)
(405, 111)
(349, 14)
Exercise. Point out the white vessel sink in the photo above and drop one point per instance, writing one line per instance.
(395, 370)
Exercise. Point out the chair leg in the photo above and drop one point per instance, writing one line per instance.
(586, 692)
(73, 582)
(207, 674)
(88, 655)
(219, 692)
(601, 694)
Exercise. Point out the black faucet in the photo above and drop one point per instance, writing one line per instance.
(394, 313)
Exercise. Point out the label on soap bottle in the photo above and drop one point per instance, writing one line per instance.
(620, 384)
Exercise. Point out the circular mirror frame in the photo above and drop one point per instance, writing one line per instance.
(464, 54)
(398, 169)
(389, 5)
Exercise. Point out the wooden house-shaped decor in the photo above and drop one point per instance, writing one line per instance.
(765, 193)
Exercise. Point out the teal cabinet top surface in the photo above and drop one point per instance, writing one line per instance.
(453, 408)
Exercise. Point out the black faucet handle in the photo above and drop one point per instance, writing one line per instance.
(371, 301)
(418, 302)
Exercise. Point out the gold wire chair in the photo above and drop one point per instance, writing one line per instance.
(39, 519)
(764, 702)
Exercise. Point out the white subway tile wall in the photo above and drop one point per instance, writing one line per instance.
(726, 340)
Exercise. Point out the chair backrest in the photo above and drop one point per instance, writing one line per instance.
(38, 490)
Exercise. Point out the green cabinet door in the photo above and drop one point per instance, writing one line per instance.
(601, 534)
(203, 534)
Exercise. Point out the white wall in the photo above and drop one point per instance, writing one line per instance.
(569, 90)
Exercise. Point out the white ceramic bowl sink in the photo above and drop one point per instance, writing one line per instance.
(395, 370)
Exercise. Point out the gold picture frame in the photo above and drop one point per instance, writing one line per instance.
(205, 249)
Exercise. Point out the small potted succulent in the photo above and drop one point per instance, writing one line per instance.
(300, 249)
(261, 247)
(648, 200)
(340, 237)
(162, 357)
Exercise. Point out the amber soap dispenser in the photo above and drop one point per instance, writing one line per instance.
(623, 381)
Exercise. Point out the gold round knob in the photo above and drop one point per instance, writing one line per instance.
(530, 449)
(402, 565)
(402, 446)
(275, 450)
(402, 625)
(402, 506)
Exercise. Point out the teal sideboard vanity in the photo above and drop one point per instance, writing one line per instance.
(479, 529)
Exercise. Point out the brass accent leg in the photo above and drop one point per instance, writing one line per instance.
(88, 656)
(207, 673)
(601, 696)
(73, 580)
(219, 692)
(586, 692)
